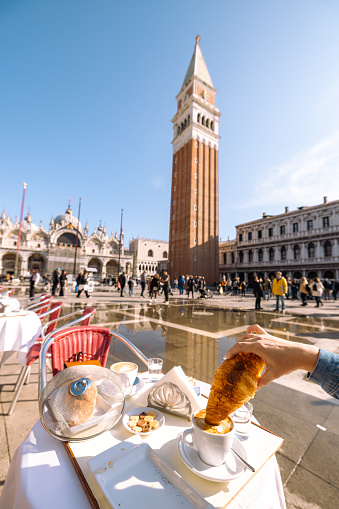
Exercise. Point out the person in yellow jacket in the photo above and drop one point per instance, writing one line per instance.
(279, 288)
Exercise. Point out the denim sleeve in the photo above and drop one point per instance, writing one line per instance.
(326, 372)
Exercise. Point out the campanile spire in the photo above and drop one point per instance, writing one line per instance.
(194, 220)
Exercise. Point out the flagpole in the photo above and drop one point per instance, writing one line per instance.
(20, 228)
(122, 211)
(76, 240)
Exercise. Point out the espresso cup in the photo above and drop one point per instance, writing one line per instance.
(212, 447)
(127, 371)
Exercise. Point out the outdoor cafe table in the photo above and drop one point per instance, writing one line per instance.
(42, 475)
(18, 332)
(11, 303)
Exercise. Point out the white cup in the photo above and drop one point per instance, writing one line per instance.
(211, 447)
(127, 371)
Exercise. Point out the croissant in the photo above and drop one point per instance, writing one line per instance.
(234, 383)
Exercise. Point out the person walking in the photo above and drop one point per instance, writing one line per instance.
(258, 292)
(122, 282)
(294, 288)
(165, 285)
(130, 287)
(279, 289)
(181, 285)
(56, 280)
(267, 288)
(317, 291)
(35, 278)
(235, 285)
(327, 287)
(63, 279)
(154, 287)
(83, 283)
(335, 288)
(304, 291)
(243, 288)
(190, 287)
(143, 281)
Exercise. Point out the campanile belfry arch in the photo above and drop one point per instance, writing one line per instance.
(194, 221)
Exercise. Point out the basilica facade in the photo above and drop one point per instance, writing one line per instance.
(48, 249)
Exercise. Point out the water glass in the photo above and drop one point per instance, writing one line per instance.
(154, 368)
(242, 421)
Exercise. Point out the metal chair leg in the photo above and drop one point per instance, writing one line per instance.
(28, 375)
(18, 387)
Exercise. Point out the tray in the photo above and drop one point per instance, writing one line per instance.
(140, 476)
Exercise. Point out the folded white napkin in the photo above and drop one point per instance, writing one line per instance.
(177, 376)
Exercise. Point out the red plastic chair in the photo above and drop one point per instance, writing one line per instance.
(42, 309)
(92, 341)
(34, 351)
(86, 321)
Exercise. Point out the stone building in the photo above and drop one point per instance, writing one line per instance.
(148, 254)
(55, 247)
(193, 237)
(302, 242)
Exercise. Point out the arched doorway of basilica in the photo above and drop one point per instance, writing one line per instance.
(329, 274)
(36, 261)
(312, 274)
(95, 263)
(8, 264)
(68, 239)
(297, 275)
(112, 268)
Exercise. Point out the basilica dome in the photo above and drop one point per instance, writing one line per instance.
(66, 219)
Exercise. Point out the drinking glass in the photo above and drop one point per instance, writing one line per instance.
(154, 368)
(242, 421)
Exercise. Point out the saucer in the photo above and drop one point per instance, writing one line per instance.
(138, 386)
(231, 469)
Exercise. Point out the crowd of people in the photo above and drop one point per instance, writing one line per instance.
(281, 288)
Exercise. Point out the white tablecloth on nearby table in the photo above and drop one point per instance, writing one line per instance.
(41, 474)
(18, 332)
(11, 303)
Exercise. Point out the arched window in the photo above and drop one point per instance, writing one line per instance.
(311, 250)
(250, 256)
(203, 120)
(207, 123)
(241, 257)
(198, 117)
(232, 257)
(271, 253)
(189, 119)
(260, 255)
(327, 249)
(212, 126)
(150, 253)
(225, 261)
(296, 252)
(283, 253)
(164, 254)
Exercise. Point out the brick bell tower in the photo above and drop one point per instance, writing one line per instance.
(194, 221)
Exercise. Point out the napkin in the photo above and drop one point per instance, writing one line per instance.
(177, 376)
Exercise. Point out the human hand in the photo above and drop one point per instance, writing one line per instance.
(280, 356)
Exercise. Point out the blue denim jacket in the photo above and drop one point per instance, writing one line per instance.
(326, 372)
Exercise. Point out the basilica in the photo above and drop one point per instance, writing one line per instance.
(70, 246)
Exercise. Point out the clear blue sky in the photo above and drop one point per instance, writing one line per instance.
(88, 93)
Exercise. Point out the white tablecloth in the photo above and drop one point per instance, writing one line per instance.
(18, 332)
(11, 304)
(41, 474)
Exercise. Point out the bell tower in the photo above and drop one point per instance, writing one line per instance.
(194, 221)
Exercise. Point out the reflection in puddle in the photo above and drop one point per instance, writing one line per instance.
(192, 335)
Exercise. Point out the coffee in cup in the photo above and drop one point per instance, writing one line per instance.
(127, 372)
(212, 443)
